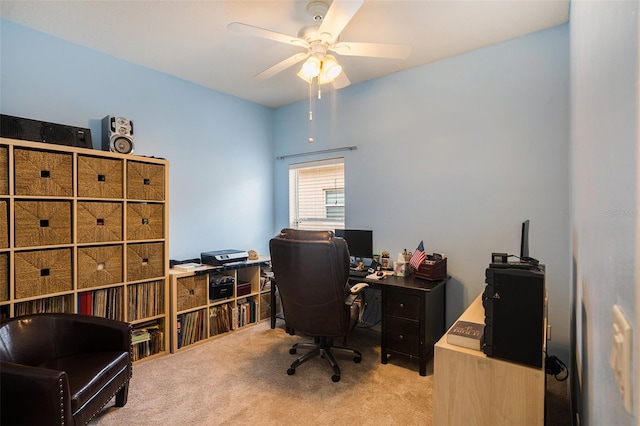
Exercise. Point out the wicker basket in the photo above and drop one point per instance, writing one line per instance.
(42, 272)
(145, 261)
(4, 277)
(4, 224)
(40, 223)
(99, 221)
(145, 181)
(265, 306)
(43, 173)
(100, 265)
(145, 221)
(192, 291)
(99, 177)
(4, 170)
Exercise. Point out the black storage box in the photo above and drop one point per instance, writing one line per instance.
(220, 286)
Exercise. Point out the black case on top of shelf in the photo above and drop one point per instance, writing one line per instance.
(514, 309)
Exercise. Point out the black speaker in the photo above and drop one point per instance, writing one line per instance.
(117, 134)
(41, 131)
(514, 309)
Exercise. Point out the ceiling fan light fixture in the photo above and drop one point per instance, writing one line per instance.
(310, 68)
(331, 67)
(323, 78)
(302, 76)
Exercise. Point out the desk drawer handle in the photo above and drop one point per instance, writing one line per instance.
(402, 305)
(401, 337)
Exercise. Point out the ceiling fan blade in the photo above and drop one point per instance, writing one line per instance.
(268, 34)
(376, 50)
(281, 66)
(338, 16)
(341, 81)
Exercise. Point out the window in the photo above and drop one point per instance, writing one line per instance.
(316, 195)
(334, 203)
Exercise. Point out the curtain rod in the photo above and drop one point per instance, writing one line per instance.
(324, 151)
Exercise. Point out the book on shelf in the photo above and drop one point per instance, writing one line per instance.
(252, 306)
(234, 316)
(85, 302)
(147, 339)
(190, 328)
(221, 319)
(139, 336)
(191, 266)
(467, 334)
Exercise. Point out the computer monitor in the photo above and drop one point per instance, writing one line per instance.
(360, 242)
(524, 241)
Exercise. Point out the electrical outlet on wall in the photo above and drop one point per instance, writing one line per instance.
(620, 358)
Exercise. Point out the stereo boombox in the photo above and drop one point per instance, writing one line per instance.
(41, 131)
(117, 134)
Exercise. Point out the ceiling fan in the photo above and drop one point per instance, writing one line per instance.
(320, 39)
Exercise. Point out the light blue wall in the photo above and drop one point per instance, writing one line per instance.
(456, 153)
(604, 99)
(219, 147)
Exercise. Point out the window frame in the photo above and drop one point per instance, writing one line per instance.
(308, 197)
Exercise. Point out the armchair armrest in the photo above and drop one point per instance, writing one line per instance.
(24, 387)
(355, 292)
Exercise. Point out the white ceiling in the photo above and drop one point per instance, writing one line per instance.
(190, 39)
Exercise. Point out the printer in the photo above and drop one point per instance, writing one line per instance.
(222, 257)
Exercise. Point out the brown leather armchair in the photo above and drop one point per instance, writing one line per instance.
(61, 369)
(311, 271)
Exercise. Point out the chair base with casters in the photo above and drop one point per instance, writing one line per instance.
(324, 348)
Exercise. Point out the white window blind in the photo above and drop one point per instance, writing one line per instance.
(316, 195)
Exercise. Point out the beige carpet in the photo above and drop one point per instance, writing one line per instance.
(241, 379)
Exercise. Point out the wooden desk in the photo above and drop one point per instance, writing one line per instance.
(473, 389)
(413, 316)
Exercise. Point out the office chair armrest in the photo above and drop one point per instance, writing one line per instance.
(356, 290)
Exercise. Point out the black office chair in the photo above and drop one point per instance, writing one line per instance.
(311, 271)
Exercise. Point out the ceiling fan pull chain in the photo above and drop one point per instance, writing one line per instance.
(311, 111)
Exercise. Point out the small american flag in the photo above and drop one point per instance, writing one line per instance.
(418, 256)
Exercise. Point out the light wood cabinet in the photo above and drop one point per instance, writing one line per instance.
(197, 314)
(85, 231)
(473, 389)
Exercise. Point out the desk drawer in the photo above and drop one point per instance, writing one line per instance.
(403, 305)
(403, 336)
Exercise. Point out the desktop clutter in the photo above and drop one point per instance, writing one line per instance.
(431, 267)
(427, 266)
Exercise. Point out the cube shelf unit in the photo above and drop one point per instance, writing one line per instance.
(85, 231)
(197, 317)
